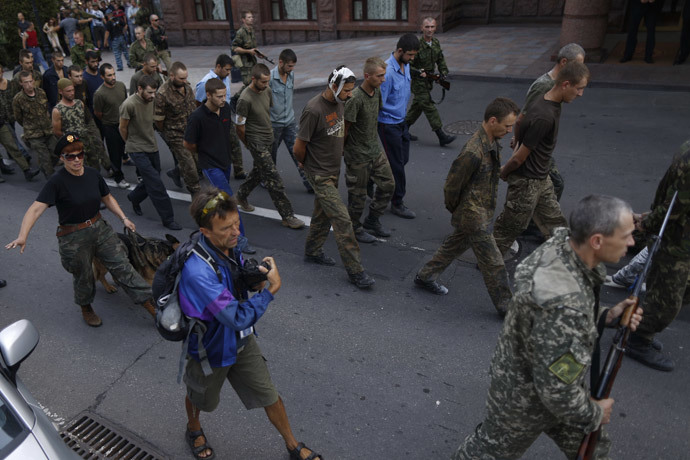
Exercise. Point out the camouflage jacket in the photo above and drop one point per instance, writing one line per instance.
(15, 86)
(472, 183)
(78, 54)
(428, 58)
(6, 114)
(245, 39)
(137, 52)
(173, 108)
(134, 81)
(32, 114)
(73, 118)
(156, 37)
(545, 348)
(676, 240)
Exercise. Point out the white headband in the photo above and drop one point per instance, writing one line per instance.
(344, 73)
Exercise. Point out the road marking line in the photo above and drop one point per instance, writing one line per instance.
(258, 211)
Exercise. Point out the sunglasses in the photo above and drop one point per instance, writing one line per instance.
(213, 202)
(73, 156)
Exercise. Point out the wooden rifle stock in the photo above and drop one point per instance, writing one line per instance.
(434, 77)
(620, 341)
(261, 55)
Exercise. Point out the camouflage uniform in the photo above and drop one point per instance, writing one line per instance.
(156, 37)
(245, 38)
(6, 135)
(538, 88)
(428, 58)
(78, 54)
(538, 370)
(173, 109)
(667, 283)
(470, 195)
(365, 158)
(74, 119)
(32, 114)
(137, 52)
(329, 210)
(77, 251)
(527, 199)
(17, 87)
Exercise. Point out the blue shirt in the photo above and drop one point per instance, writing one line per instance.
(201, 86)
(282, 112)
(395, 93)
(93, 82)
(202, 296)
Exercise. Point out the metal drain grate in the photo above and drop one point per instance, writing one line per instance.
(463, 127)
(92, 438)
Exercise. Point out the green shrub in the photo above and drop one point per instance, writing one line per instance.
(10, 43)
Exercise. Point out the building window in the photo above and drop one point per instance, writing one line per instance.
(379, 10)
(293, 10)
(210, 10)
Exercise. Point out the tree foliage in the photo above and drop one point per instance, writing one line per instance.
(10, 43)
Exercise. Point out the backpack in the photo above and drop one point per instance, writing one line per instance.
(172, 324)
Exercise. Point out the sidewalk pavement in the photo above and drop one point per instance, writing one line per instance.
(513, 52)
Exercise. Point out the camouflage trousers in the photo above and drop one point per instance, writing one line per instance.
(246, 76)
(164, 55)
(527, 199)
(44, 147)
(187, 161)
(77, 251)
(501, 438)
(264, 170)
(94, 148)
(488, 256)
(7, 141)
(235, 151)
(357, 177)
(329, 210)
(668, 289)
(422, 103)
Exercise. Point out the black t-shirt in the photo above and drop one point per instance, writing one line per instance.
(115, 26)
(538, 132)
(211, 135)
(77, 198)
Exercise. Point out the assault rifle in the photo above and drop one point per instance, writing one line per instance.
(620, 340)
(433, 77)
(261, 55)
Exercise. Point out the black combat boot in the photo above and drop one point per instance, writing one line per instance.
(443, 138)
(642, 350)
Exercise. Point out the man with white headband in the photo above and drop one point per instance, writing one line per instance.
(393, 130)
(319, 146)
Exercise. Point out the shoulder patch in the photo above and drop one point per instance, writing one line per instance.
(566, 368)
(552, 279)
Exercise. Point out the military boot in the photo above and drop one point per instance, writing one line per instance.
(90, 316)
(443, 138)
(642, 350)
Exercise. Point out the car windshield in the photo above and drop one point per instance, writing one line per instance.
(12, 432)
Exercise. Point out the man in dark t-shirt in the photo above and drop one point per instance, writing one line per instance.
(207, 136)
(530, 190)
(319, 146)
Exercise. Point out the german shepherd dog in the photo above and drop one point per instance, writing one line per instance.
(145, 255)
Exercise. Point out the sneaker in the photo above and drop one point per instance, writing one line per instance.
(321, 259)
(123, 184)
(361, 280)
(245, 206)
(375, 227)
(643, 351)
(403, 211)
(431, 286)
(293, 222)
(364, 237)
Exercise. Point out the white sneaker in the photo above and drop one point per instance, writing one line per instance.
(123, 184)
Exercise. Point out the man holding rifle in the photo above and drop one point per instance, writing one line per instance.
(244, 44)
(538, 371)
(667, 283)
(429, 56)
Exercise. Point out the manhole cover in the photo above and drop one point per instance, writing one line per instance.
(93, 437)
(463, 127)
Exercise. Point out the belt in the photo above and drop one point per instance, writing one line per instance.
(63, 230)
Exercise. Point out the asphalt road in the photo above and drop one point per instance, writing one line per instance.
(391, 373)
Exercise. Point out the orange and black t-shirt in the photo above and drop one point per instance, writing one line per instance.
(322, 127)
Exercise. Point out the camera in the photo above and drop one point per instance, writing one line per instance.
(250, 275)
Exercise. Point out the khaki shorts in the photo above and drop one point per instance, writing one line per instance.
(248, 376)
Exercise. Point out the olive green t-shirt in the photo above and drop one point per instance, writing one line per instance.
(140, 134)
(108, 101)
(362, 111)
(322, 127)
(255, 108)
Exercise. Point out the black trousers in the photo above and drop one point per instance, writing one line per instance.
(116, 149)
(649, 12)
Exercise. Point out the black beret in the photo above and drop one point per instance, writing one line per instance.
(64, 141)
